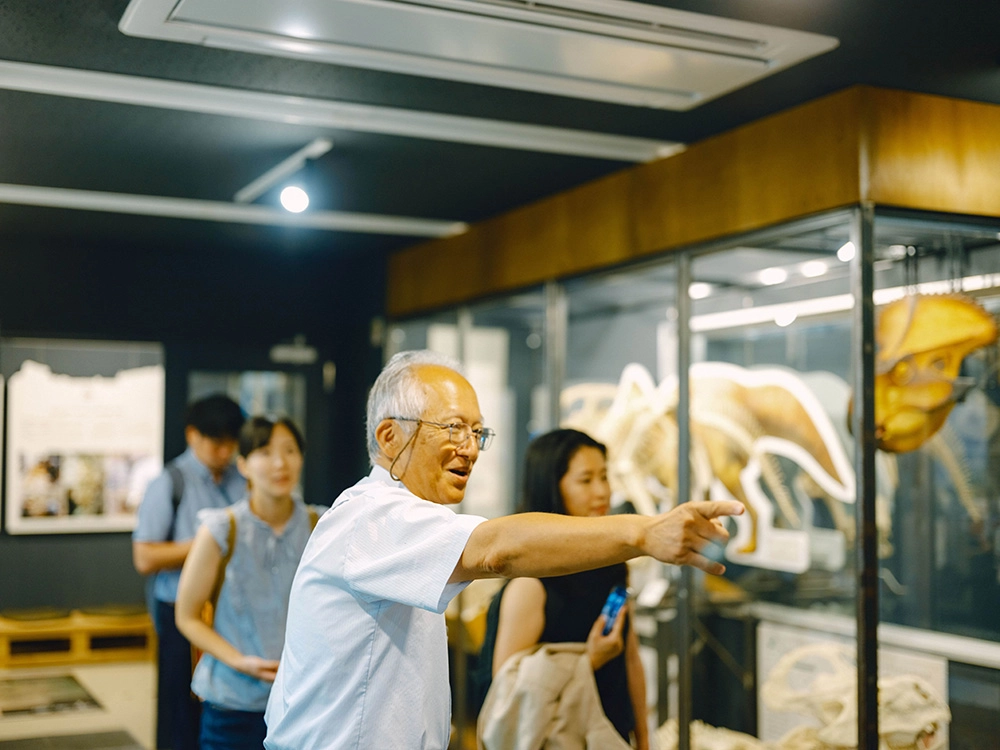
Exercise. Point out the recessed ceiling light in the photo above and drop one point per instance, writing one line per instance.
(813, 268)
(784, 318)
(846, 252)
(772, 276)
(699, 290)
(294, 199)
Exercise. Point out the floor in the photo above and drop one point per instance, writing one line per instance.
(127, 694)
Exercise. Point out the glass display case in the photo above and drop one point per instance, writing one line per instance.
(795, 398)
(771, 388)
(621, 336)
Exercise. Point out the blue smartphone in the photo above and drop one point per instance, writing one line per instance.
(612, 605)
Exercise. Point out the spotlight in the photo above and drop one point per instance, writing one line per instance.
(846, 252)
(784, 318)
(294, 199)
(813, 268)
(772, 276)
(699, 290)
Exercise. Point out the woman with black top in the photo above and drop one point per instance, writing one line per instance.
(566, 472)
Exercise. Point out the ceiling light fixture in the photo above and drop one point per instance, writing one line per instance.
(772, 276)
(837, 303)
(294, 199)
(846, 252)
(699, 290)
(237, 213)
(813, 268)
(282, 171)
(784, 318)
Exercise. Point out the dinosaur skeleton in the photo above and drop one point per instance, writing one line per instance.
(743, 419)
(706, 737)
(911, 714)
(739, 417)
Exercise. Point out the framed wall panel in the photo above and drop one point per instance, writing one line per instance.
(84, 433)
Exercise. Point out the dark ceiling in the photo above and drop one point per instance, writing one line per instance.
(58, 141)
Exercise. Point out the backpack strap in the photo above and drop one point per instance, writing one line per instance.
(313, 518)
(220, 575)
(176, 493)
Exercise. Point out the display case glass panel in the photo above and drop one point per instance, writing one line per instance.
(938, 295)
(419, 333)
(621, 345)
(626, 316)
(937, 416)
(501, 344)
(504, 356)
(790, 328)
(621, 341)
(770, 393)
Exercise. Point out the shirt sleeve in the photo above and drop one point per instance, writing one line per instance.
(156, 511)
(319, 510)
(405, 549)
(216, 520)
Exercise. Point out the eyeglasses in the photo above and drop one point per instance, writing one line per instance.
(458, 432)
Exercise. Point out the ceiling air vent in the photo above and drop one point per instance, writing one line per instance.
(606, 50)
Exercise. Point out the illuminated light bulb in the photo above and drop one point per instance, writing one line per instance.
(813, 268)
(772, 276)
(294, 199)
(699, 290)
(784, 318)
(846, 252)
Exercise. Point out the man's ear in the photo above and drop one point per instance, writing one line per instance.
(389, 437)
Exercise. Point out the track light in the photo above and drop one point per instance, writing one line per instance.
(294, 199)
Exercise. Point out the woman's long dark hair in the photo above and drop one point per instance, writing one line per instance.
(546, 463)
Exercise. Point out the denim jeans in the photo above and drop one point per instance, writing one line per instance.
(177, 710)
(225, 729)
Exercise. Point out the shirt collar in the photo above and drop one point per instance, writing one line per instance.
(381, 474)
(202, 471)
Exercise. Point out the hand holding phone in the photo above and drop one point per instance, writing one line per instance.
(615, 601)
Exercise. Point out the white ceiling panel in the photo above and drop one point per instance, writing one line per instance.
(605, 50)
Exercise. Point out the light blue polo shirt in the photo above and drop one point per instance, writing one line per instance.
(156, 512)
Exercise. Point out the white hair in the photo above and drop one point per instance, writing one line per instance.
(398, 393)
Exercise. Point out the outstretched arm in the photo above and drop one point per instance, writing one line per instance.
(537, 545)
(193, 592)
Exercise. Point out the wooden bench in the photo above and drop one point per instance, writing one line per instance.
(75, 637)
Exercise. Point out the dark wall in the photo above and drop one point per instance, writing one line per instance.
(213, 305)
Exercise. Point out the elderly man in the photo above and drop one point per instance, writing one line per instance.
(365, 663)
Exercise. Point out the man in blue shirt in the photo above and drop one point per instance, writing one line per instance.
(204, 476)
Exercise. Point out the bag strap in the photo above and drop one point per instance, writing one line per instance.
(313, 518)
(176, 494)
(220, 576)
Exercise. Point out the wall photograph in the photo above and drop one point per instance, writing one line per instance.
(84, 433)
